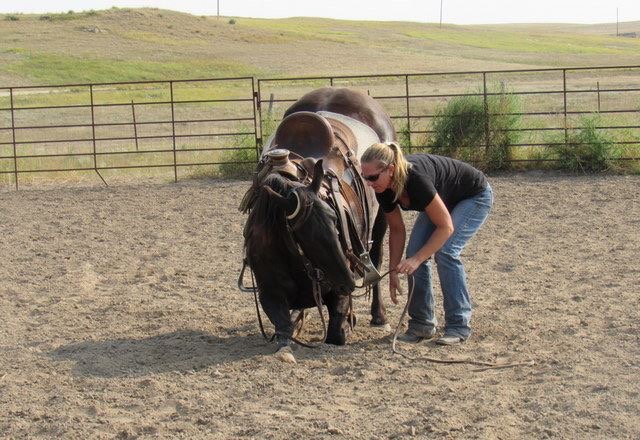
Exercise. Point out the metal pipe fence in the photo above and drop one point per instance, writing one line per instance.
(172, 125)
(184, 125)
(555, 100)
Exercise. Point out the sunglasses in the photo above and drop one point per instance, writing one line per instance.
(374, 177)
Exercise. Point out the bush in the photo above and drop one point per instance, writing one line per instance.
(232, 21)
(12, 17)
(240, 162)
(587, 149)
(404, 137)
(465, 130)
(69, 15)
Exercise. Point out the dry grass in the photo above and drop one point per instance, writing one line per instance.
(153, 44)
(139, 44)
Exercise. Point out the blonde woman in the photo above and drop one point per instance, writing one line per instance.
(453, 200)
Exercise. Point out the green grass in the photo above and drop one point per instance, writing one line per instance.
(61, 69)
(528, 42)
(140, 44)
(304, 29)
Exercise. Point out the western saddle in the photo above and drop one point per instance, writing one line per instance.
(301, 139)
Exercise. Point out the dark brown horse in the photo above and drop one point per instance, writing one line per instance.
(311, 214)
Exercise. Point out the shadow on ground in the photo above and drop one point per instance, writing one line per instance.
(179, 351)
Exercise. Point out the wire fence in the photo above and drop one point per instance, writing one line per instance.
(195, 127)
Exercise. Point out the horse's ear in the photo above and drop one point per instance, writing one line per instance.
(289, 204)
(279, 199)
(318, 174)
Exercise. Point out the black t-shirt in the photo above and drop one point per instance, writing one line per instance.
(429, 174)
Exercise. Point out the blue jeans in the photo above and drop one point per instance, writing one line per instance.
(468, 216)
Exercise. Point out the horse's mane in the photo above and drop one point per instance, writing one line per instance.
(265, 222)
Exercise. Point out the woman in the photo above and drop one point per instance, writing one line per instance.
(453, 200)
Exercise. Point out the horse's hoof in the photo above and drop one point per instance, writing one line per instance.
(285, 354)
(385, 327)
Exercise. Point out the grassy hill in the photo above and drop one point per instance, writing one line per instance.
(149, 44)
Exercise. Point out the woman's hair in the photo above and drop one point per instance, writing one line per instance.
(385, 154)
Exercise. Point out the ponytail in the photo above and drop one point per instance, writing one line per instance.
(390, 153)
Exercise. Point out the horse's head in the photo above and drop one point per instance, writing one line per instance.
(312, 225)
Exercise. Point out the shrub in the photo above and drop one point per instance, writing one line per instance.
(587, 149)
(465, 130)
(541, 157)
(459, 127)
(232, 21)
(404, 137)
(239, 162)
(69, 15)
(12, 17)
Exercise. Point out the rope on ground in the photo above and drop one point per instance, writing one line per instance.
(485, 365)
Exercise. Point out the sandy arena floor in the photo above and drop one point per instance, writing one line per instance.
(120, 318)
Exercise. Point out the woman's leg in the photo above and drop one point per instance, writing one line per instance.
(422, 319)
(468, 216)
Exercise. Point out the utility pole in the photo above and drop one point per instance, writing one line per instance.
(617, 26)
(218, 4)
(440, 14)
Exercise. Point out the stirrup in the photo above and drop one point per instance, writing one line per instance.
(371, 274)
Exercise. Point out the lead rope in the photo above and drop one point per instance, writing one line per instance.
(484, 365)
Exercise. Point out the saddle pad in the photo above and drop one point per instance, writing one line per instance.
(365, 136)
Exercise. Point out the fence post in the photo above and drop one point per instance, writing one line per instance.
(598, 85)
(486, 112)
(406, 92)
(13, 134)
(135, 125)
(173, 134)
(258, 112)
(93, 135)
(564, 93)
(256, 104)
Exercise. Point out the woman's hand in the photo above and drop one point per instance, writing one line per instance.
(394, 287)
(408, 266)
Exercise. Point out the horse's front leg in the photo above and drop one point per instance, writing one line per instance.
(378, 312)
(338, 327)
(277, 309)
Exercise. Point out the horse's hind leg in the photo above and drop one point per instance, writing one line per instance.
(378, 312)
(338, 327)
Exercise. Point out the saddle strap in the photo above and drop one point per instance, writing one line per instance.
(359, 187)
(345, 235)
(344, 226)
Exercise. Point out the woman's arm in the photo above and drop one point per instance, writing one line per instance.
(440, 217)
(397, 238)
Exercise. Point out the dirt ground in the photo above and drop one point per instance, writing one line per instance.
(120, 318)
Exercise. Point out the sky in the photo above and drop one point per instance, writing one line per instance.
(425, 11)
